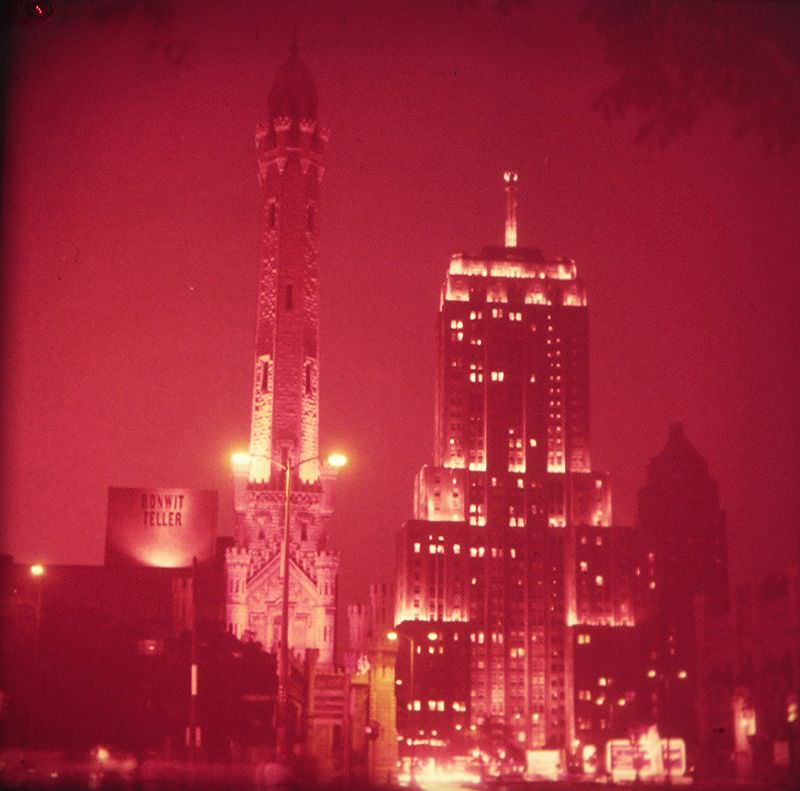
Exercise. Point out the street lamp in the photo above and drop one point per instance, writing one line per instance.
(682, 675)
(411, 644)
(37, 571)
(289, 467)
(393, 635)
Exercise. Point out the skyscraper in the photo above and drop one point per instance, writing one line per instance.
(494, 541)
(681, 518)
(285, 397)
(685, 531)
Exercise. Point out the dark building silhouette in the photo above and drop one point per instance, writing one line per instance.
(684, 531)
(681, 519)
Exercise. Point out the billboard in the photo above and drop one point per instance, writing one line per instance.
(649, 758)
(544, 764)
(164, 528)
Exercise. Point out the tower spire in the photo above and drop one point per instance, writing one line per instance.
(510, 177)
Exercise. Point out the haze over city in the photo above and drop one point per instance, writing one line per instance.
(131, 243)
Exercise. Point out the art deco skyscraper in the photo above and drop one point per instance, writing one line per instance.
(285, 400)
(495, 540)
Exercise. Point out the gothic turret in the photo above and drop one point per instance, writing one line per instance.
(293, 93)
(284, 430)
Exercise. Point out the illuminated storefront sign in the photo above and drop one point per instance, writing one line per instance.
(160, 527)
(648, 758)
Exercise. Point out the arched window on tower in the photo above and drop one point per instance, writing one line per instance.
(265, 376)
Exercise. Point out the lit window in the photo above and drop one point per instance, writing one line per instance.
(599, 580)
(584, 566)
(456, 549)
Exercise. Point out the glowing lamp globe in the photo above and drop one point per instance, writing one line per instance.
(391, 636)
(337, 460)
(37, 570)
(240, 459)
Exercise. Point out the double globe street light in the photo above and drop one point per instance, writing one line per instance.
(336, 460)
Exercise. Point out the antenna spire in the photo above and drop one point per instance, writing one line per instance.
(510, 177)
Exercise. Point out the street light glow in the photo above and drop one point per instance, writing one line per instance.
(432, 635)
(391, 636)
(240, 459)
(37, 570)
(337, 460)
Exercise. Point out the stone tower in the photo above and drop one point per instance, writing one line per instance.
(285, 397)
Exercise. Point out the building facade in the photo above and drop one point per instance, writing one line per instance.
(684, 530)
(502, 517)
(285, 397)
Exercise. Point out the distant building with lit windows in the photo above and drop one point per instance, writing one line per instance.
(512, 531)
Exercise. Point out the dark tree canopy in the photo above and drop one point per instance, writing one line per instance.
(681, 60)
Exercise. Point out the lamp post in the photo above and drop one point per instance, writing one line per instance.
(411, 644)
(669, 701)
(37, 571)
(393, 635)
(289, 468)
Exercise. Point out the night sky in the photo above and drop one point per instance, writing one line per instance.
(131, 246)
